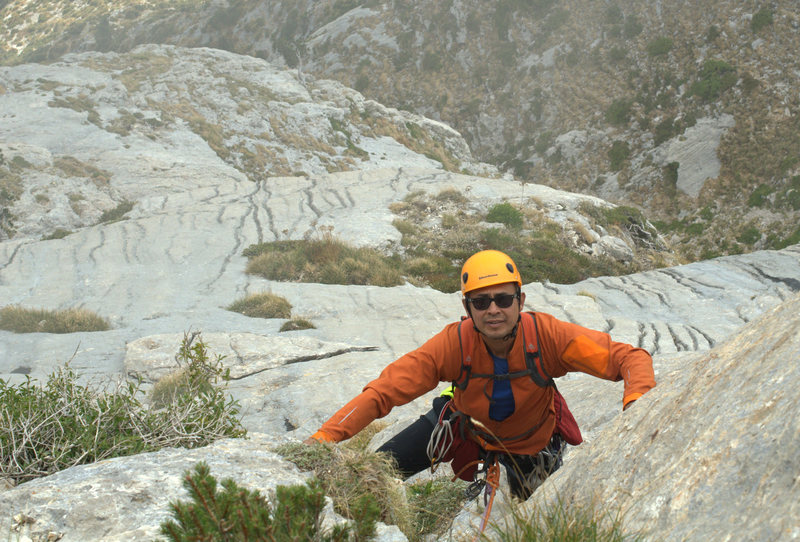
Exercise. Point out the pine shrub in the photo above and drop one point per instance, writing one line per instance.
(232, 513)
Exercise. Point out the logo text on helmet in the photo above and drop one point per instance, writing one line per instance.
(487, 276)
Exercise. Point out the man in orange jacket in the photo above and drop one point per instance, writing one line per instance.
(501, 362)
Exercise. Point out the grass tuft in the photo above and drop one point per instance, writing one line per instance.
(263, 305)
(327, 261)
(564, 522)
(25, 320)
(296, 324)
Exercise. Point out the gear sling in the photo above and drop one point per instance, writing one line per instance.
(459, 440)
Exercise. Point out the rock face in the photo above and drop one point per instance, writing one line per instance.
(711, 453)
(128, 498)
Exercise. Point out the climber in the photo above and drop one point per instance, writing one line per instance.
(502, 403)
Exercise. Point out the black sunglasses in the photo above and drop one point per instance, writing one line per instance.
(482, 302)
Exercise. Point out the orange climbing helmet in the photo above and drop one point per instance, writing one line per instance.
(487, 268)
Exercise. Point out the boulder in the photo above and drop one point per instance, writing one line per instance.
(711, 452)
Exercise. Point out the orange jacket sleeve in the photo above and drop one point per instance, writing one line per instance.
(402, 381)
(569, 347)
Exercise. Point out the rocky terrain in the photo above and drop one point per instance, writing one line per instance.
(139, 178)
(611, 98)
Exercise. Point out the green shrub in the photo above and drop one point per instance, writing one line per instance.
(761, 19)
(58, 233)
(749, 236)
(617, 54)
(505, 213)
(790, 195)
(613, 14)
(716, 76)
(23, 320)
(671, 174)
(431, 61)
(759, 196)
(546, 257)
(234, 513)
(619, 111)
(663, 131)
(618, 153)
(48, 428)
(659, 46)
(116, 214)
(632, 27)
(546, 140)
(792, 239)
(694, 229)
(362, 82)
(263, 305)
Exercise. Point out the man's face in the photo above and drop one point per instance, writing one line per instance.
(495, 322)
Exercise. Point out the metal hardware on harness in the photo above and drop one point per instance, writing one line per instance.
(474, 489)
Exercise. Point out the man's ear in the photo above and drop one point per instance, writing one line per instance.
(521, 301)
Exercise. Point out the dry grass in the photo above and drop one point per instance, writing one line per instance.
(263, 305)
(349, 472)
(559, 521)
(297, 324)
(72, 167)
(326, 260)
(25, 320)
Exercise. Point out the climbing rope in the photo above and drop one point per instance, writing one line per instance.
(441, 440)
(492, 484)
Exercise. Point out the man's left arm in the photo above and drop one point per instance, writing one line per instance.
(569, 347)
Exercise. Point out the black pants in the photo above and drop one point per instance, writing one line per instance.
(525, 472)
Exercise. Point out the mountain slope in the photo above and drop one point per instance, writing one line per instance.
(684, 109)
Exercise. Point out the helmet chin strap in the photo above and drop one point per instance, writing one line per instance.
(513, 332)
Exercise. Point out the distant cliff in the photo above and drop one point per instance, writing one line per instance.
(683, 109)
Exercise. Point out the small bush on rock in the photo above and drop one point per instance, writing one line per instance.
(48, 428)
(505, 213)
(233, 513)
